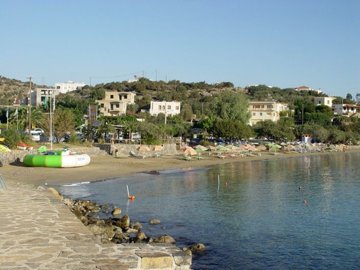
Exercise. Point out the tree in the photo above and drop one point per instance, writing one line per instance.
(231, 130)
(230, 105)
(186, 112)
(349, 96)
(63, 121)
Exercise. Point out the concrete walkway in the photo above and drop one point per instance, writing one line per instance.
(37, 231)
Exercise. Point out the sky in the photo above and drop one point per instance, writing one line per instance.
(279, 43)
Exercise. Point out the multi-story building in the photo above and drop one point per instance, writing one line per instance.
(327, 101)
(169, 108)
(40, 96)
(68, 86)
(115, 103)
(265, 110)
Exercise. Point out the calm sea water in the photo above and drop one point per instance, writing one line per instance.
(292, 213)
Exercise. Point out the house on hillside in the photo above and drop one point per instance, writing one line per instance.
(115, 103)
(169, 108)
(346, 109)
(327, 101)
(306, 88)
(68, 86)
(265, 110)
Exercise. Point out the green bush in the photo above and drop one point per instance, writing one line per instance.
(12, 137)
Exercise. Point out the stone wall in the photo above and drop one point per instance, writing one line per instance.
(125, 150)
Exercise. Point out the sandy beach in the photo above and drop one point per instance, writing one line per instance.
(107, 167)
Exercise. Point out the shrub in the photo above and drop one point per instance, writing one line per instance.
(12, 137)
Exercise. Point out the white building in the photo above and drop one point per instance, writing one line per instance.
(169, 108)
(265, 110)
(68, 86)
(345, 109)
(42, 95)
(327, 101)
(115, 103)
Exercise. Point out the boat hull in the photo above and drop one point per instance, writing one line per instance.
(57, 161)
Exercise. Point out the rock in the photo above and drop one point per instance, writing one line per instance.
(124, 222)
(137, 226)
(141, 236)
(105, 208)
(196, 248)
(131, 230)
(165, 239)
(116, 211)
(154, 221)
(68, 202)
(106, 231)
(120, 238)
(187, 251)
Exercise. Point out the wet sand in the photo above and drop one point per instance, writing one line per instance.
(107, 167)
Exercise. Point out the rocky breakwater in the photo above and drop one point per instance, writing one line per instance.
(154, 253)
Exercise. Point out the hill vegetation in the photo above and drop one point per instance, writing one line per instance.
(219, 110)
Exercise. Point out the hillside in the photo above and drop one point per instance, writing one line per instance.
(11, 89)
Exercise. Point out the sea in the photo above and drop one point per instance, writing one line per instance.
(286, 213)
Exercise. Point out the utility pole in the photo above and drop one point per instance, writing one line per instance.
(51, 120)
(29, 103)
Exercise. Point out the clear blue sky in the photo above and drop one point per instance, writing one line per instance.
(281, 43)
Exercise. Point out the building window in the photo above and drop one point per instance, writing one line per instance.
(254, 114)
(102, 105)
(159, 107)
(169, 107)
(269, 106)
(261, 114)
(177, 108)
(111, 96)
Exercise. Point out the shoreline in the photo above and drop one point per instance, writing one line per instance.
(107, 167)
(25, 195)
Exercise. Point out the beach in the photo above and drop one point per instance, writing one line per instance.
(108, 167)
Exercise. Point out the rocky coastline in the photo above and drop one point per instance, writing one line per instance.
(120, 229)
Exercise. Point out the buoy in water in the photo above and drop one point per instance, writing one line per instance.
(130, 197)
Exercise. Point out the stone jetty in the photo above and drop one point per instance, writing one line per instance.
(37, 231)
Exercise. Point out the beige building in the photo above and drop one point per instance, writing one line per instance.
(169, 108)
(41, 95)
(327, 101)
(115, 103)
(265, 110)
